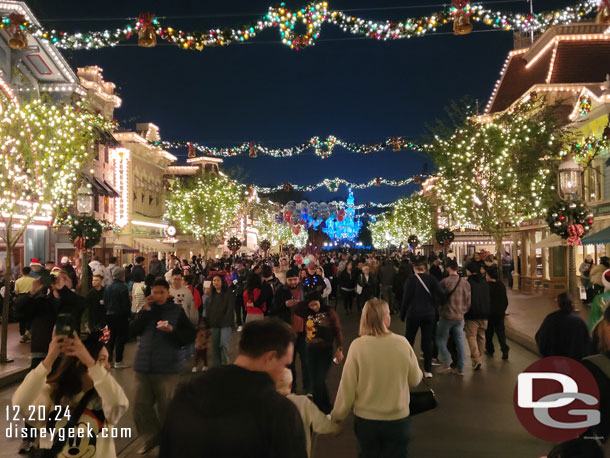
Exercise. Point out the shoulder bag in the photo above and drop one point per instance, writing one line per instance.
(422, 401)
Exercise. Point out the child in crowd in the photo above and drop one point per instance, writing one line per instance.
(313, 418)
(202, 343)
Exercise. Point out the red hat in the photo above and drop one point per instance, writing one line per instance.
(35, 262)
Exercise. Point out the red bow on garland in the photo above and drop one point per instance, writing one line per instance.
(575, 232)
(79, 243)
(461, 4)
(16, 20)
(146, 19)
(603, 4)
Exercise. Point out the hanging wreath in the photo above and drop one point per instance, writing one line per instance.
(413, 241)
(85, 232)
(234, 244)
(265, 245)
(445, 236)
(570, 220)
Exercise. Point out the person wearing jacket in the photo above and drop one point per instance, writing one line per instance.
(164, 330)
(366, 280)
(596, 274)
(322, 335)
(451, 318)
(478, 314)
(155, 267)
(421, 295)
(498, 302)
(562, 333)
(81, 375)
(347, 286)
(379, 371)
(286, 298)
(221, 318)
(601, 301)
(118, 311)
(235, 411)
(386, 276)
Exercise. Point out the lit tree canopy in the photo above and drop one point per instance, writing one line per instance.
(204, 206)
(43, 147)
(410, 215)
(497, 172)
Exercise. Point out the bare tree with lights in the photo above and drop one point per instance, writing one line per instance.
(43, 147)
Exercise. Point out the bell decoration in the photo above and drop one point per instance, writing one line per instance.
(147, 37)
(18, 39)
(395, 144)
(252, 150)
(377, 181)
(417, 179)
(603, 13)
(461, 20)
(192, 152)
(287, 187)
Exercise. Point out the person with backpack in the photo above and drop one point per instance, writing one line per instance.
(422, 294)
(451, 322)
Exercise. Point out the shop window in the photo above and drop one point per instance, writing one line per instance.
(593, 191)
(96, 203)
(106, 156)
(150, 199)
(106, 204)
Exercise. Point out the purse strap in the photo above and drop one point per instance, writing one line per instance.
(423, 284)
(455, 287)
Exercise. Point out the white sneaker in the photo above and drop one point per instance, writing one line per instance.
(194, 369)
(436, 362)
(427, 374)
(204, 368)
(240, 328)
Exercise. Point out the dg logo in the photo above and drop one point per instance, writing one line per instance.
(557, 399)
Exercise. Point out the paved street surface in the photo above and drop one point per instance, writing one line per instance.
(475, 416)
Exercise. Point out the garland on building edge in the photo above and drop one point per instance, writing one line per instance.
(333, 184)
(85, 232)
(445, 237)
(322, 148)
(570, 220)
(147, 27)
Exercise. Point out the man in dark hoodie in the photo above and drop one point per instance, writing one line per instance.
(498, 301)
(421, 297)
(234, 410)
(476, 318)
(164, 330)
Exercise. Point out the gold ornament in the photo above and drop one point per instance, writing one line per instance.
(462, 25)
(147, 38)
(18, 40)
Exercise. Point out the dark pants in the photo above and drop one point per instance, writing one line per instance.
(300, 348)
(119, 331)
(426, 323)
(383, 439)
(240, 310)
(495, 324)
(348, 300)
(320, 360)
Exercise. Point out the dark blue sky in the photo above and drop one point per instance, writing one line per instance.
(356, 89)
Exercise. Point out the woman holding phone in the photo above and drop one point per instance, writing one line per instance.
(79, 394)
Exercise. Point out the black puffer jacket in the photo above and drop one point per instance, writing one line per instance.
(479, 298)
(207, 411)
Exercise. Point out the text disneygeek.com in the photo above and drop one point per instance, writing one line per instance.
(79, 431)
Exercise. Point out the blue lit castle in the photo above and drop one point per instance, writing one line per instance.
(344, 226)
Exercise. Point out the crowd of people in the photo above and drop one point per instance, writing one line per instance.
(268, 330)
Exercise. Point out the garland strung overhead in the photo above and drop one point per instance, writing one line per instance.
(333, 184)
(322, 148)
(312, 17)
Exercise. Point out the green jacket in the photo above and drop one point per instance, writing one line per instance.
(598, 306)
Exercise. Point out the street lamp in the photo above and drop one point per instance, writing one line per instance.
(569, 176)
(84, 206)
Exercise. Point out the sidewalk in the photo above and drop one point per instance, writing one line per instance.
(526, 313)
(15, 371)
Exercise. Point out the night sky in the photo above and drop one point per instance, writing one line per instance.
(359, 90)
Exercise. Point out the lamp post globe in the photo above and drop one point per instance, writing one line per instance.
(569, 176)
(84, 200)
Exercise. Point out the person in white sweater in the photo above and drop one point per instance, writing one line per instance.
(313, 418)
(81, 377)
(379, 370)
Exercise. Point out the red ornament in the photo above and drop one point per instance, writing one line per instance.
(561, 218)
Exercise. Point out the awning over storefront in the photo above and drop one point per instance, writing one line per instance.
(100, 187)
(600, 237)
(551, 241)
(151, 245)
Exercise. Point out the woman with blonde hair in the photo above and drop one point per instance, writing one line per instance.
(379, 370)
